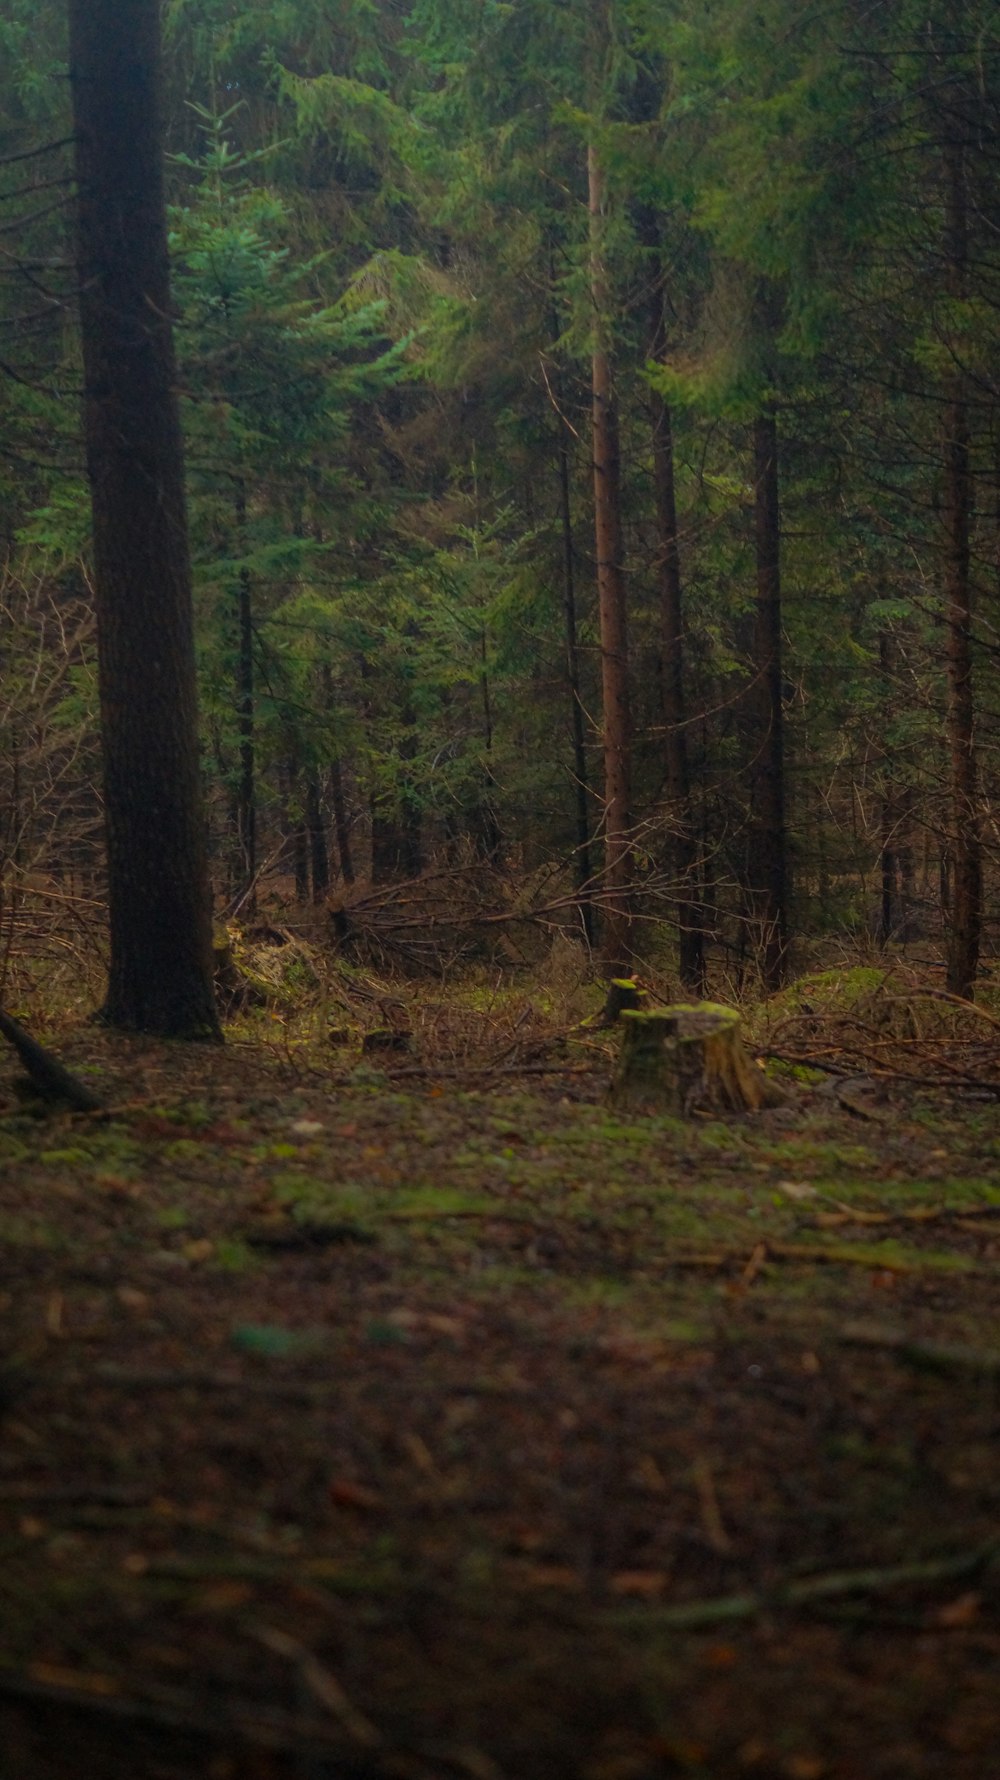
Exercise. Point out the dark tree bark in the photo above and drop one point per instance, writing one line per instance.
(486, 832)
(293, 825)
(581, 784)
(767, 877)
(895, 814)
(246, 787)
(300, 861)
(690, 921)
(617, 927)
(966, 841)
(160, 978)
(395, 847)
(319, 858)
(341, 825)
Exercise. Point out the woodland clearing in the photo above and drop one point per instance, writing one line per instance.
(417, 1415)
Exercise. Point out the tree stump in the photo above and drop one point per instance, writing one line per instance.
(686, 1059)
(623, 992)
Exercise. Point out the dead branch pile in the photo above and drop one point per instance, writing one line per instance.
(430, 925)
(263, 966)
(889, 1024)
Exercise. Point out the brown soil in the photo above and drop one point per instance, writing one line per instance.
(406, 1427)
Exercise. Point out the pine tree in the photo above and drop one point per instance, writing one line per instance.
(160, 977)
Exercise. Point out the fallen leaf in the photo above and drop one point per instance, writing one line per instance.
(78, 1680)
(307, 1128)
(646, 1584)
(425, 1319)
(199, 1250)
(551, 1576)
(679, 1751)
(118, 1186)
(222, 1597)
(344, 1493)
(797, 1189)
(131, 1299)
(962, 1612)
(420, 1453)
(719, 1656)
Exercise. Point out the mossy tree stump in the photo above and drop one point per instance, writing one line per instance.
(623, 992)
(685, 1059)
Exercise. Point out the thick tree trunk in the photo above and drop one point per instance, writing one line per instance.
(691, 940)
(160, 977)
(767, 877)
(617, 936)
(966, 837)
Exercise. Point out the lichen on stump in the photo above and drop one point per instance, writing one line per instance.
(623, 992)
(686, 1059)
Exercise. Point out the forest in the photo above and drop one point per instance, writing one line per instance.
(499, 603)
(591, 426)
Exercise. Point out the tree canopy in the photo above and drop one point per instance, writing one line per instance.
(423, 256)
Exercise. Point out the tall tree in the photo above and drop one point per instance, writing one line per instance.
(160, 977)
(767, 873)
(610, 554)
(966, 839)
(690, 918)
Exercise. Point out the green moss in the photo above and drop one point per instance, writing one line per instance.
(172, 1217)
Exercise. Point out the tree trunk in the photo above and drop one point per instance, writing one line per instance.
(160, 977)
(246, 788)
(894, 814)
(581, 785)
(486, 831)
(767, 876)
(341, 825)
(300, 862)
(319, 858)
(690, 923)
(966, 844)
(617, 936)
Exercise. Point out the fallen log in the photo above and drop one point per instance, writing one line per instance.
(50, 1080)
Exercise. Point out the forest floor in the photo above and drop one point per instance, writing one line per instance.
(412, 1421)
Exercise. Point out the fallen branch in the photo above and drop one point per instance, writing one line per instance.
(934, 1356)
(320, 1683)
(790, 1251)
(51, 1082)
(446, 1072)
(914, 1214)
(171, 1709)
(833, 1586)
